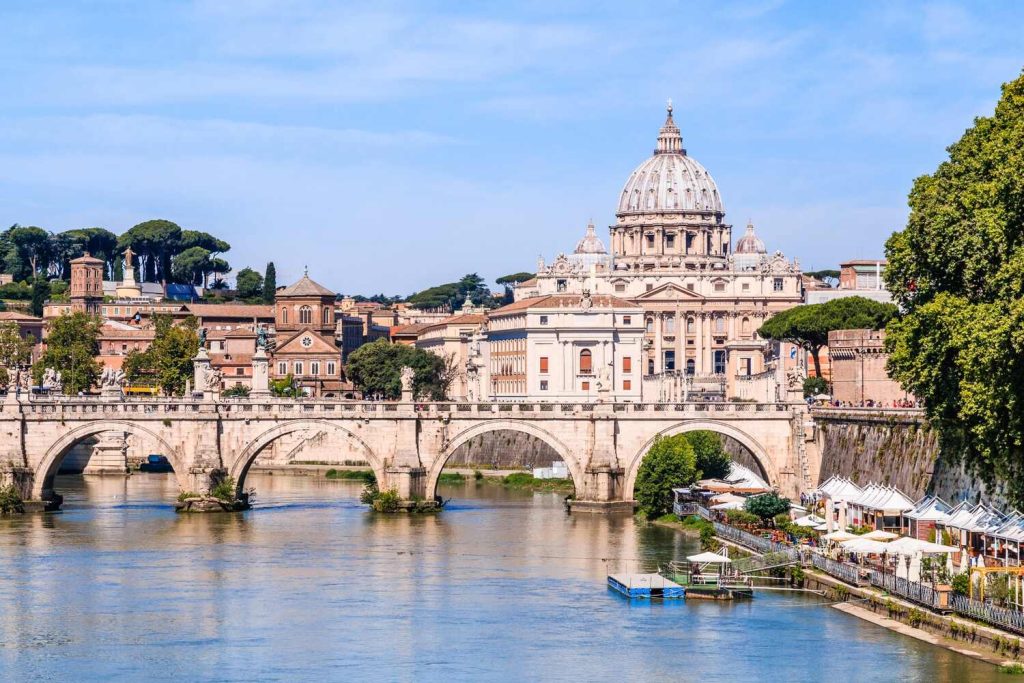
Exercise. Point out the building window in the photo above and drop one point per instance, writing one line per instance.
(239, 371)
(298, 367)
(327, 315)
(314, 368)
(650, 325)
(670, 241)
(544, 364)
(543, 320)
(670, 325)
(745, 366)
(561, 285)
(627, 320)
(620, 287)
(284, 315)
(586, 362)
(689, 326)
(719, 286)
(650, 239)
(627, 364)
(745, 326)
(777, 284)
(627, 385)
(691, 366)
(282, 369)
(331, 368)
(719, 362)
(586, 386)
(746, 286)
(670, 361)
(650, 366)
(648, 287)
(543, 385)
(719, 324)
(305, 315)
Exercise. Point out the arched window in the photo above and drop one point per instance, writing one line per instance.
(650, 325)
(689, 325)
(305, 315)
(327, 315)
(586, 362)
(284, 315)
(719, 324)
(691, 366)
(745, 326)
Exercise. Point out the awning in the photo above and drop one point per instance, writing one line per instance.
(709, 558)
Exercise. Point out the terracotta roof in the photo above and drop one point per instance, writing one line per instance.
(244, 311)
(563, 301)
(305, 287)
(466, 319)
(19, 317)
(413, 329)
(87, 258)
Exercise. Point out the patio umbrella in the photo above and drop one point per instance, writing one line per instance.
(965, 562)
(864, 546)
(879, 535)
(914, 570)
(839, 536)
(808, 521)
(949, 563)
(728, 505)
(842, 515)
(901, 567)
(830, 515)
(709, 558)
(821, 527)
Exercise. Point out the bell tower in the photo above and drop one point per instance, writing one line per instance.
(86, 288)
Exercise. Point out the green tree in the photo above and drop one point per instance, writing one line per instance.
(453, 294)
(156, 242)
(808, 326)
(100, 243)
(767, 505)
(269, 284)
(72, 344)
(670, 463)
(15, 351)
(249, 283)
(172, 351)
(192, 265)
(376, 368)
(32, 250)
(510, 281)
(712, 460)
(64, 247)
(815, 386)
(40, 293)
(957, 272)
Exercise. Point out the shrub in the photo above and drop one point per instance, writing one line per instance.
(478, 475)
(386, 501)
(358, 475)
(237, 391)
(451, 478)
(370, 492)
(767, 505)
(518, 479)
(741, 517)
(224, 490)
(10, 500)
(669, 463)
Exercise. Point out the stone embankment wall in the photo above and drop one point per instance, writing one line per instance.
(504, 450)
(896, 448)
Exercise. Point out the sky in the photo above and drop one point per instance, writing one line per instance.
(391, 146)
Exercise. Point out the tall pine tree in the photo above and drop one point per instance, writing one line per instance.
(269, 284)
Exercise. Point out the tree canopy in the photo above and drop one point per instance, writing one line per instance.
(453, 294)
(167, 363)
(72, 344)
(15, 351)
(376, 369)
(269, 284)
(808, 325)
(957, 272)
(711, 459)
(669, 463)
(767, 505)
(249, 284)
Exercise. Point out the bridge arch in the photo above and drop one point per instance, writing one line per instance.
(42, 480)
(239, 467)
(463, 437)
(759, 453)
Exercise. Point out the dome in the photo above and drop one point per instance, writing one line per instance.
(750, 243)
(670, 180)
(591, 243)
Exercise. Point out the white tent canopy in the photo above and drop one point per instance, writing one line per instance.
(809, 521)
(909, 546)
(709, 558)
(879, 535)
(864, 546)
(840, 536)
(729, 505)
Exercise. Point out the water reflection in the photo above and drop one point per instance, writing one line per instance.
(503, 585)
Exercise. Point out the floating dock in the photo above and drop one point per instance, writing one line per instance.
(646, 586)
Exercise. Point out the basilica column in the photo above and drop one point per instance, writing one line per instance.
(698, 329)
(708, 354)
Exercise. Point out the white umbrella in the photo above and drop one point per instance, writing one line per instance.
(830, 515)
(839, 536)
(864, 546)
(879, 535)
(965, 561)
(906, 545)
(842, 515)
(729, 505)
(949, 563)
(808, 521)
(914, 571)
(727, 498)
(901, 567)
(821, 527)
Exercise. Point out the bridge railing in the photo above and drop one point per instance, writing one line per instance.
(43, 405)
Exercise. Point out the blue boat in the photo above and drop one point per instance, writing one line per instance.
(646, 586)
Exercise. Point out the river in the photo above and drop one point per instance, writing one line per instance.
(309, 585)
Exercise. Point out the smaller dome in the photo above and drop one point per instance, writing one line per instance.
(591, 243)
(750, 243)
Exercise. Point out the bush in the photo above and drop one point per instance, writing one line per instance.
(478, 475)
(10, 500)
(224, 490)
(961, 583)
(782, 520)
(370, 492)
(357, 475)
(386, 501)
(451, 478)
(237, 391)
(741, 517)
(668, 464)
(814, 386)
(767, 505)
(518, 479)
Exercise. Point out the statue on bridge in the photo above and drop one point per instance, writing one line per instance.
(213, 379)
(262, 340)
(407, 377)
(52, 381)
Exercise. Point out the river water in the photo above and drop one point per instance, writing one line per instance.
(500, 586)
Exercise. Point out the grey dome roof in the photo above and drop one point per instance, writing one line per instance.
(591, 243)
(750, 243)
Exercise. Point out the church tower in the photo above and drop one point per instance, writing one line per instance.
(86, 288)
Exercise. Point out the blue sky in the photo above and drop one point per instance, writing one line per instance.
(391, 146)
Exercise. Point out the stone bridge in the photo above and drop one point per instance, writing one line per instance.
(406, 444)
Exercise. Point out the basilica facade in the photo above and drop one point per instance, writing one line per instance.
(672, 257)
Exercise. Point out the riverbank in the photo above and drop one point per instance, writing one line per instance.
(510, 479)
